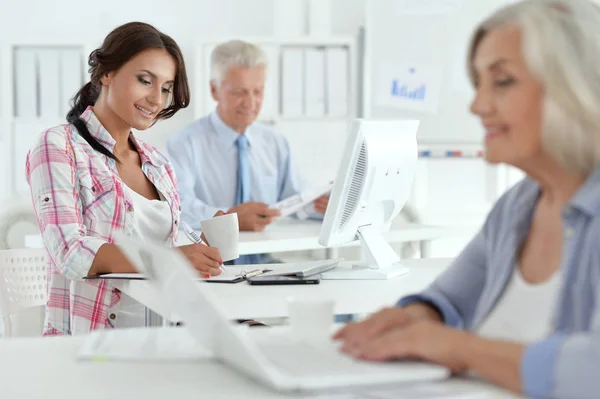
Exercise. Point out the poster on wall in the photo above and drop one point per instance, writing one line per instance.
(407, 86)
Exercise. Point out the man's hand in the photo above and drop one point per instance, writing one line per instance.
(254, 216)
(321, 204)
(219, 213)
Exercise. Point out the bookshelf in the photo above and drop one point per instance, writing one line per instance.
(316, 86)
(38, 81)
(316, 138)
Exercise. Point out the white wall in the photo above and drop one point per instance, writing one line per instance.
(192, 21)
(187, 21)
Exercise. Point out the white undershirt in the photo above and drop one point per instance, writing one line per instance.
(524, 312)
(152, 222)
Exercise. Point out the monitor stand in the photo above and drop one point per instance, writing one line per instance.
(381, 263)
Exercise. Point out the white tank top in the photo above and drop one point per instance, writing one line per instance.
(152, 222)
(524, 312)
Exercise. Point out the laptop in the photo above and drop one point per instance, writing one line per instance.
(280, 362)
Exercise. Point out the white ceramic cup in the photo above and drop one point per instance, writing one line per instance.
(311, 319)
(223, 232)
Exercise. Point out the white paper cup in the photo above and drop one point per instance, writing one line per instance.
(223, 232)
(311, 319)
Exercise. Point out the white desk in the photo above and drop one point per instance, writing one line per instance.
(300, 235)
(244, 301)
(47, 368)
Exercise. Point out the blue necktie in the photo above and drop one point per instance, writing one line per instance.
(243, 179)
(242, 194)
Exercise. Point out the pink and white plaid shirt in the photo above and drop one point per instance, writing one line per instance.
(80, 204)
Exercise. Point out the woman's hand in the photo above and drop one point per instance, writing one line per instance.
(417, 332)
(357, 334)
(206, 260)
(423, 340)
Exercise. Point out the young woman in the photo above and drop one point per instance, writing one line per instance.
(521, 305)
(93, 178)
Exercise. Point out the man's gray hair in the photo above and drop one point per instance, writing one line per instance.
(234, 53)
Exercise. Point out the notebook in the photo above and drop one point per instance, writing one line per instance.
(236, 274)
(231, 274)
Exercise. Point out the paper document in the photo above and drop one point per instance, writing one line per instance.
(296, 202)
(301, 269)
(235, 274)
(142, 344)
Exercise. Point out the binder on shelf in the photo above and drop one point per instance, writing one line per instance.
(270, 104)
(292, 82)
(48, 74)
(314, 74)
(5, 190)
(209, 103)
(25, 83)
(337, 72)
(71, 77)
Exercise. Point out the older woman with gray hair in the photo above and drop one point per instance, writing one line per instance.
(520, 306)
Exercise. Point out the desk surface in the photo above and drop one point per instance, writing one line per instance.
(301, 235)
(243, 301)
(47, 368)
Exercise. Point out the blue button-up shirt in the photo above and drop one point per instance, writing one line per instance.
(204, 156)
(567, 363)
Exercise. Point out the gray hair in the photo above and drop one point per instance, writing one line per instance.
(561, 46)
(234, 53)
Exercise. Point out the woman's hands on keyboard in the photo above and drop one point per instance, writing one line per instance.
(412, 332)
(356, 335)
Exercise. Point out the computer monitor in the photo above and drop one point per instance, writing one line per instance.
(373, 183)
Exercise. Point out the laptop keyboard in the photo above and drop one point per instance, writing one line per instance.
(306, 359)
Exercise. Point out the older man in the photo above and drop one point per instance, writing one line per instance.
(228, 161)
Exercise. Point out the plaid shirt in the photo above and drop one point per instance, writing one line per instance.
(80, 204)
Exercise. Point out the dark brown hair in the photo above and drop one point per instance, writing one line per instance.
(121, 45)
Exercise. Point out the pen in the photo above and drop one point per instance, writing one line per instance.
(193, 236)
(191, 233)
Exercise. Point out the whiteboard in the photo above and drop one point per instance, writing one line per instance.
(415, 65)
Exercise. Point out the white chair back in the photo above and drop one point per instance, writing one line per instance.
(22, 282)
(17, 221)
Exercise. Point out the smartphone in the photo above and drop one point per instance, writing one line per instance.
(281, 280)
